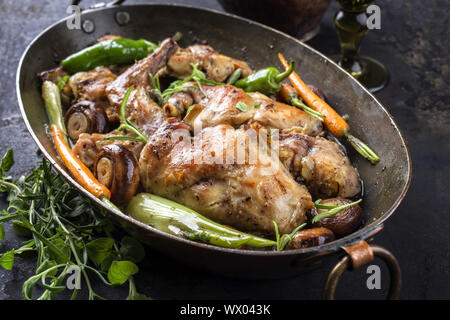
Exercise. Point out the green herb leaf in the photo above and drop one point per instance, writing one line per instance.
(125, 138)
(7, 260)
(63, 248)
(138, 296)
(106, 263)
(283, 240)
(256, 105)
(197, 76)
(132, 249)
(99, 249)
(61, 82)
(7, 161)
(64, 224)
(241, 106)
(333, 211)
(318, 205)
(120, 271)
(2, 232)
(133, 294)
(20, 229)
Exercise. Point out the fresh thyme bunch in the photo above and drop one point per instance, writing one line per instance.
(67, 232)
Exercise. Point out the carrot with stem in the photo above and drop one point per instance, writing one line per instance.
(332, 120)
(79, 171)
(290, 95)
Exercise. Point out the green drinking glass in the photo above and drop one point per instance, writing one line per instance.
(351, 25)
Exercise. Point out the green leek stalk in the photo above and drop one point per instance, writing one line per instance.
(176, 219)
(52, 100)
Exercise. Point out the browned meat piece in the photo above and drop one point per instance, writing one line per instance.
(91, 85)
(177, 104)
(246, 194)
(89, 145)
(143, 111)
(220, 108)
(320, 164)
(107, 37)
(218, 67)
(52, 75)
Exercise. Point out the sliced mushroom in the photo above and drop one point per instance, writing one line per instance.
(192, 113)
(310, 238)
(117, 168)
(342, 223)
(171, 111)
(85, 117)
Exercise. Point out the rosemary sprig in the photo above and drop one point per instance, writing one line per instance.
(126, 124)
(283, 240)
(332, 210)
(197, 76)
(156, 89)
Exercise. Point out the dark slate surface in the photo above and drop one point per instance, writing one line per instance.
(413, 43)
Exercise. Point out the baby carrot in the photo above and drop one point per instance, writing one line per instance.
(332, 120)
(79, 171)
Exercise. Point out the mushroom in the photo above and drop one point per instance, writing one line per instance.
(342, 223)
(310, 238)
(85, 117)
(117, 168)
(171, 111)
(192, 113)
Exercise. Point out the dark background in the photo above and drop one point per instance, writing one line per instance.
(413, 43)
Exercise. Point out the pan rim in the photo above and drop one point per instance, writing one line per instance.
(361, 234)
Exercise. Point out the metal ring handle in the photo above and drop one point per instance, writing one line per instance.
(346, 263)
(102, 4)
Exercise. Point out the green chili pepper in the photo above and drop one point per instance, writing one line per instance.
(105, 53)
(267, 81)
(176, 219)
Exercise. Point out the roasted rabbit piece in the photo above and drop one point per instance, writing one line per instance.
(320, 164)
(221, 107)
(91, 85)
(217, 67)
(201, 173)
(91, 112)
(141, 109)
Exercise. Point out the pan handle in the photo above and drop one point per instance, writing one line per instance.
(357, 256)
(101, 4)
